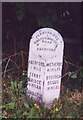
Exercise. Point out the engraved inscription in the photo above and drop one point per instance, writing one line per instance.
(45, 65)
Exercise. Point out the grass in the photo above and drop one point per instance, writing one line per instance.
(17, 105)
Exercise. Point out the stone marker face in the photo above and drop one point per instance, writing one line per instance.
(45, 65)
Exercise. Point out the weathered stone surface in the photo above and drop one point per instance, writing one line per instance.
(45, 65)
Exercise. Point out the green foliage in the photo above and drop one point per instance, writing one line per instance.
(72, 75)
(26, 105)
(20, 9)
(81, 57)
(16, 104)
(44, 22)
(81, 72)
(10, 105)
(33, 113)
(17, 88)
(22, 106)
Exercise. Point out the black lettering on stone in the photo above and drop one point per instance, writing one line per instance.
(52, 77)
(34, 93)
(53, 69)
(53, 87)
(35, 75)
(35, 81)
(52, 82)
(36, 63)
(34, 85)
(54, 64)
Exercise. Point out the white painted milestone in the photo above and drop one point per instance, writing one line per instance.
(45, 65)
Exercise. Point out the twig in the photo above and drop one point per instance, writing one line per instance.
(14, 55)
(6, 71)
(22, 55)
(64, 75)
(70, 63)
(25, 52)
(10, 57)
(15, 47)
(6, 67)
(15, 64)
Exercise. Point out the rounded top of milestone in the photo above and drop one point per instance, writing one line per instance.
(46, 42)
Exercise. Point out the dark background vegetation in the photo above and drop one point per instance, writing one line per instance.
(21, 19)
